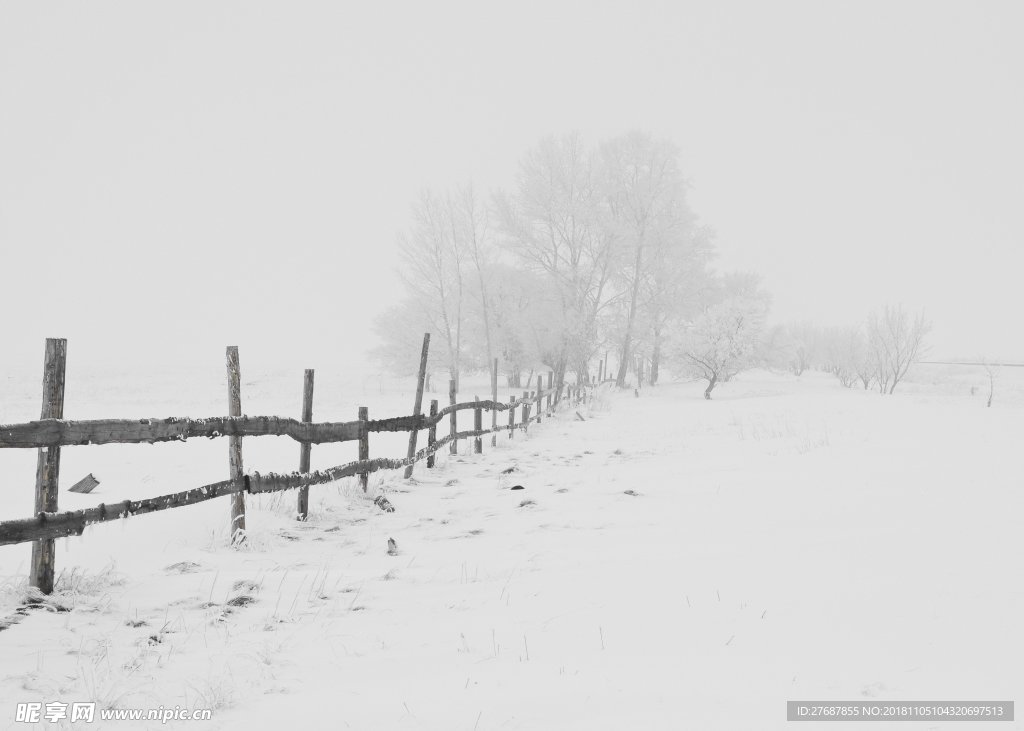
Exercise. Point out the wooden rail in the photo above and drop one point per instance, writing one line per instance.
(59, 433)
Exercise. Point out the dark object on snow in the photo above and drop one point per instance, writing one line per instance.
(634, 493)
(382, 502)
(85, 485)
(580, 416)
(636, 392)
(509, 470)
(392, 547)
(19, 614)
(517, 487)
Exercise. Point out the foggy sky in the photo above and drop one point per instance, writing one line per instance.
(180, 176)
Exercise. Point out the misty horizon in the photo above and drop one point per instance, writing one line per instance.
(195, 198)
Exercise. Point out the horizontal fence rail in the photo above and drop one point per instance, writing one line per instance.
(58, 433)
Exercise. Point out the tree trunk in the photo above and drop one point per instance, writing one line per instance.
(558, 371)
(711, 384)
(582, 368)
(656, 357)
(628, 337)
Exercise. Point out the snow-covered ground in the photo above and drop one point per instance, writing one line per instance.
(669, 563)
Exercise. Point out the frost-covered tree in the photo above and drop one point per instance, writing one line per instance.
(795, 347)
(521, 303)
(776, 348)
(470, 227)
(845, 354)
(400, 329)
(724, 340)
(434, 268)
(446, 258)
(594, 249)
(555, 224)
(647, 207)
(896, 342)
(676, 285)
(804, 346)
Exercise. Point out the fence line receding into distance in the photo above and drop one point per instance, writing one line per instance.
(52, 431)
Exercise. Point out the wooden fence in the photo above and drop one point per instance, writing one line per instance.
(52, 431)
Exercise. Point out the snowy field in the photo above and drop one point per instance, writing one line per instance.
(671, 563)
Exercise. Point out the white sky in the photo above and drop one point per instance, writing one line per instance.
(180, 176)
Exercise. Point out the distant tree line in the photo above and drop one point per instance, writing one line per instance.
(593, 251)
(878, 354)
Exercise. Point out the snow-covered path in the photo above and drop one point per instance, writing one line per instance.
(670, 563)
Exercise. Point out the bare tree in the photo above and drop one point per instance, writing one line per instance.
(845, 354)
(896, 343)
(859, 358)
(400, 329)
(433, 268)
(805, 341)
(677, 283)
(512, 293)
(470, 225)
(555, 223)
(647, 204)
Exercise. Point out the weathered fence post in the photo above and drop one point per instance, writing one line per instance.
(551, 380)
(305, 448)
(417, 408)
(526, 410)
(432, 432)
(494, 398)
(478, 425)
(364, 445)
(540, 396)
(511, 416)
(453, 418)
(235, 446)
(48, 462)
